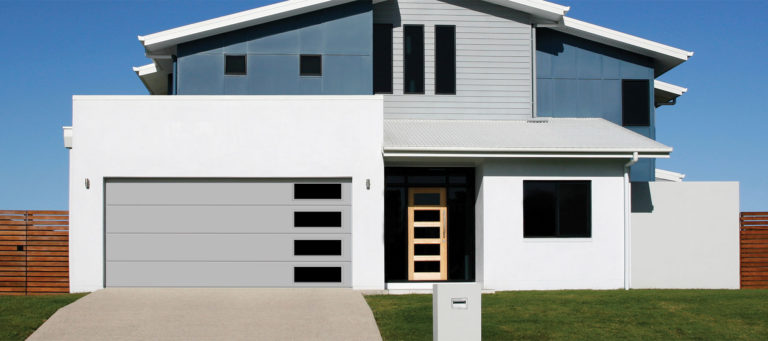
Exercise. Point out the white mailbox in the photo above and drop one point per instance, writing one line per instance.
(456, 309)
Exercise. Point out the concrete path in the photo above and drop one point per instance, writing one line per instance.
(213, 314)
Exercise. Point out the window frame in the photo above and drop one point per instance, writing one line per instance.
(437, 52)
(245, 65)
(557, 234)
(301, 72)
(422, 77)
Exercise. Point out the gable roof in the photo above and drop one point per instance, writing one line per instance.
(541, 137)
(161, 40)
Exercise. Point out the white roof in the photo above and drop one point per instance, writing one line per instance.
(559, 136)
(665, 92)
(667, 57)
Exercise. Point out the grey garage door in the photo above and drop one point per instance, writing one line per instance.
(228, 233)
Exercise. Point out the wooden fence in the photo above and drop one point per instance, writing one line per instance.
(34, 252)
(754, 250)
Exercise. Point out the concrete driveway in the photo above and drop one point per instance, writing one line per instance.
(213, 314)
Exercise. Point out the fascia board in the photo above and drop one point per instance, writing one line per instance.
(537, 8)
(529, 150)
(280, 10)
(671, 89)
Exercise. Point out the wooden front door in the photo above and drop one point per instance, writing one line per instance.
(427, 234)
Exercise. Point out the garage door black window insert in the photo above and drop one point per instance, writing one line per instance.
(317, 219)
(317, 274)
(317, 247)
(317, 191)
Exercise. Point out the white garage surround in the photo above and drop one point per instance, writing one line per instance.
(225, 137)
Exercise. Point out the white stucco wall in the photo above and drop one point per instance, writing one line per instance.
(686, 235)
(225, 137)
(511, 262)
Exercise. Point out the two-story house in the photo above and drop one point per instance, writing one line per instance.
(371, 144)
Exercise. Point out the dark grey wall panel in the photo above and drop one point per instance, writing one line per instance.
(218, 247)
(217, 219)
(214, 192)
(214, 274)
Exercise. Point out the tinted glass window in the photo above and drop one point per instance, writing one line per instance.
(382, 58)
(557, 209)
(445, 59)
(317, 191)
(413, 57)
(234, 65)
(317, 219)
(317, 247)
(317, 274)
(311, 65)
(636, 102)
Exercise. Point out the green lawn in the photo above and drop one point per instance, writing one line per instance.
(592, 315)
(21, 315)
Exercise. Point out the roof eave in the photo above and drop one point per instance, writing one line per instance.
(667, 57)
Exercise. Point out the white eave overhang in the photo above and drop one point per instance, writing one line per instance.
(539, 138)
(154, 80)
(666, 57)
(666, 93)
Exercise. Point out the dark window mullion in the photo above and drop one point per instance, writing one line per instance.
(557, 209)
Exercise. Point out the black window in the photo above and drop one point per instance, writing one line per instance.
(557, 209)
(382, 58)
(317, 191)
(317, 274)
(636, 102)
(413, 55)
(445, 59)
(234, 65)
(317, 219)
(317, 247)
(311, 65)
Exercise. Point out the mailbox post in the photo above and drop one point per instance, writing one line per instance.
(456, 309)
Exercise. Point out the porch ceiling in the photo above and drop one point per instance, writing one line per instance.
(541, 137)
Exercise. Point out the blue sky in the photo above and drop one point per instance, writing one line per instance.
(52, 50)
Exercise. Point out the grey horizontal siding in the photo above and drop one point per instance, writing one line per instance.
(493, 60)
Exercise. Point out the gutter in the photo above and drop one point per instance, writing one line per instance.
(628, 220)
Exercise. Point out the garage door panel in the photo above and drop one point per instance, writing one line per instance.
(219, 192)
(218, 219)
(215, 274)
(223, 247)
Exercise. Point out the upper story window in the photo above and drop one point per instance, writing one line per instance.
(557, 209)
(413, 59)
(235, 65)
(382, 58)
(311, 65)
(445, 60)
(635, 102)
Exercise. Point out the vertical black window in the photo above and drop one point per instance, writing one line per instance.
(413, 59)
(636, 102)
(234, 65)
(445, 59)
(557, 209)
(311, 65)
(382, 58)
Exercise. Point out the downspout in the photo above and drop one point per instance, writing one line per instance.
(628, 219)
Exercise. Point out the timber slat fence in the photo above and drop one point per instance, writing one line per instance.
(754, 250)
(34, 252)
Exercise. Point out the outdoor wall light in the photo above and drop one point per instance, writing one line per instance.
(87, 183)
(368, 184)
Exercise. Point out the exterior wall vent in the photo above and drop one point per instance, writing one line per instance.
(537, 120)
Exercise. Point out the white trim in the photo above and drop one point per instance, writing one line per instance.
(666, 175)
(145, 69)
(544, 9)
(671, 89)
(521, 155)
(226, 98)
